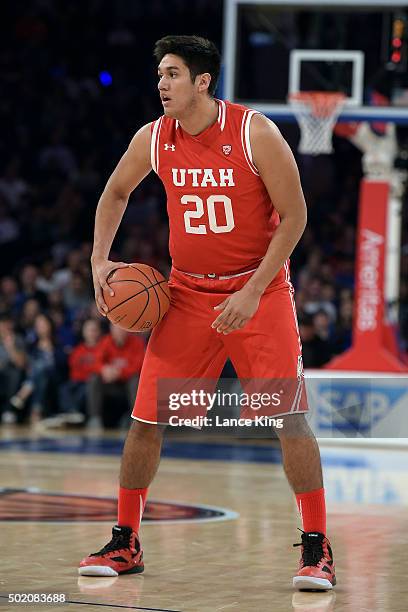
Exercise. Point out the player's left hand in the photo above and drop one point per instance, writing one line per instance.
(237, 309)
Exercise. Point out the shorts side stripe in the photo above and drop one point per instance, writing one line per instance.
(291, 292)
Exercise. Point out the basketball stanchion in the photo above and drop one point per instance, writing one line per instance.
(374, 347)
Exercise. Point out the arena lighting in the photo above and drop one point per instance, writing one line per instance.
(397, 41)
(105, 78)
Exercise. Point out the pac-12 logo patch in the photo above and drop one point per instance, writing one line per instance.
(226, 149)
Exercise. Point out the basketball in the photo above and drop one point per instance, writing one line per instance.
(142, 297)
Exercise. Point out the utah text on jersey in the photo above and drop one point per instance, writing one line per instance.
(203, 177)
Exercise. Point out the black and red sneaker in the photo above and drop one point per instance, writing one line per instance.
(316, 566)
(122, 555)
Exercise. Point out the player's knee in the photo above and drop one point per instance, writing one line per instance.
(294, 425)
(138, 429)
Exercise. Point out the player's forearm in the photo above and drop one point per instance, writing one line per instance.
(109, 213)
(284, 240)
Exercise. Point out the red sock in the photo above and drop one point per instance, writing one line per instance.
(312, 509)
(131, 503)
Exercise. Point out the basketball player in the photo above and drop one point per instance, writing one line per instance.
(236, 211)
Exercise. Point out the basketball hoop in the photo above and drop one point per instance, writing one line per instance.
(316, 113)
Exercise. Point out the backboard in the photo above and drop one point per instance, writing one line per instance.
(275, 47)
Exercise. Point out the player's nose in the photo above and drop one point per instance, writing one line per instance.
(161, 85)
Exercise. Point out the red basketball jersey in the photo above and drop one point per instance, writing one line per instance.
(220, 214)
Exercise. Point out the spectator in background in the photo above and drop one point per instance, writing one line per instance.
(9, 295)
(12, 186)
(31, 309)
(47, 281)
(316, 352)
(344, 326)
(315, 301)
(13, 361)
(29, 289)
(46, 372)
(57, 158)
(113, 389)
(64, 332)
(77, 295)
(75, 261)
(9, 228)
(9, 237)
(323, 327)
(83, 365)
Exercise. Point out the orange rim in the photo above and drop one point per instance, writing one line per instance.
(321, 103)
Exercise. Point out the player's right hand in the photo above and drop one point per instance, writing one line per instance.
(101, 269)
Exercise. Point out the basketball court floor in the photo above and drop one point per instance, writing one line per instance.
(219, 527)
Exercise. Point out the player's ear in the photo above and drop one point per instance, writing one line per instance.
(203, 81)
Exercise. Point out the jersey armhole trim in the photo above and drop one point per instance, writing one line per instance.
(246, 141)
(154, 145)
(222, 112)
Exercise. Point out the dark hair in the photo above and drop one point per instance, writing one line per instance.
(199, 54)
(53, 331)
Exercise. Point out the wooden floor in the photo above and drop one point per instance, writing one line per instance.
(244, 564)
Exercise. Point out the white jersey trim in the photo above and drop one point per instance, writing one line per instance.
(246, 141)
(222, 113)
(154, 145)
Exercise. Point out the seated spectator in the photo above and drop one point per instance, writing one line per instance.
(13, 360)
(12, 186)
(77, 295)
(47, 281)
(316, 352)
(344, 327)
(323, 326)
(315, 301)
(31, 309)
(29, 288)
(74, 262)
(112, 390)
(46, 371)
(82, 365)
(10, 231)
(64, 331)
(9, 294)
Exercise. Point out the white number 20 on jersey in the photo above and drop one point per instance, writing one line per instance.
(212, 217)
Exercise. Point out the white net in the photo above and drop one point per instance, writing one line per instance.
(316, 113)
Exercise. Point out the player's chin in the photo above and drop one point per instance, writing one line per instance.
(170, 112)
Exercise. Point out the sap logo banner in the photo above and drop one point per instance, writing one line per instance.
(364, 407)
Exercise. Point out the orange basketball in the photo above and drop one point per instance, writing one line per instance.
(142, 297)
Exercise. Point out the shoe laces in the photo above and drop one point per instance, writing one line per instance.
(120, 540)
(312, 552)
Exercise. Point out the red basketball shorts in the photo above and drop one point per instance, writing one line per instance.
(185, 346)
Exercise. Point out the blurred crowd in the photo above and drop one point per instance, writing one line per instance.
(77, 80)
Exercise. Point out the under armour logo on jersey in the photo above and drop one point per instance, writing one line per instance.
(226, 149)
(170, 147)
